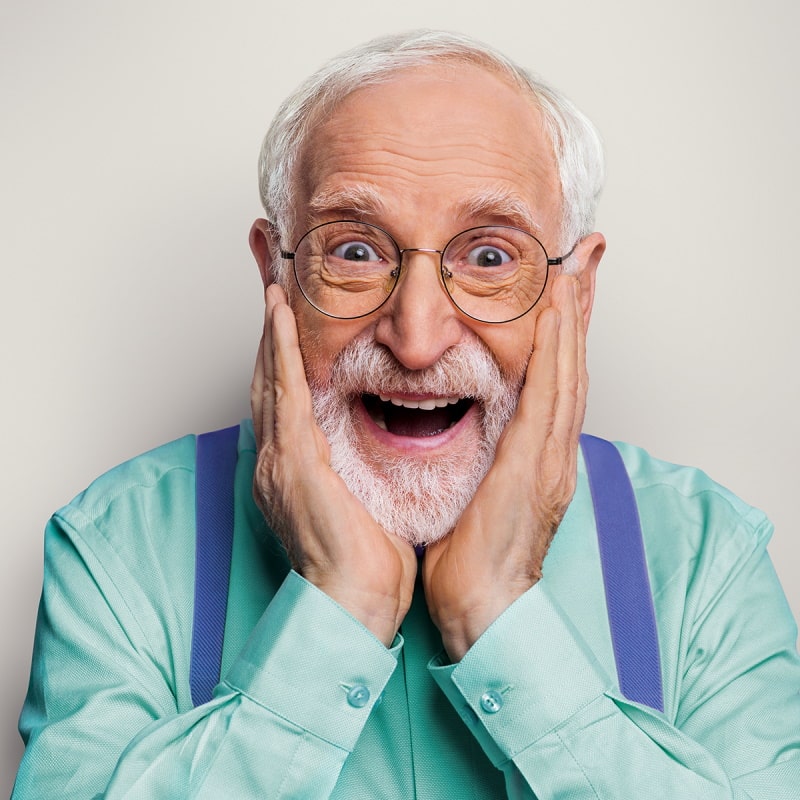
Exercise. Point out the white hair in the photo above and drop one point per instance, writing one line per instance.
(576, 144)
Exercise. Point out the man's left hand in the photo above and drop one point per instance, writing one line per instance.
(496, 551)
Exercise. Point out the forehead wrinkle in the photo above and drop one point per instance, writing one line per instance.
(426, 158)
(424, 151)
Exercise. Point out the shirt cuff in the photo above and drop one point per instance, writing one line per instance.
(526, 675)
(313, 664)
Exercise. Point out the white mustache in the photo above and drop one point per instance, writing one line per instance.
(467, 369)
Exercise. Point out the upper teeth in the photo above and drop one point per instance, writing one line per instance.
(426, 405)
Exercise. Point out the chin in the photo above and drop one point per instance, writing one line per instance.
(418, 498)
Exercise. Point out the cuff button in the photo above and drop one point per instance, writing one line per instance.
(491, 701)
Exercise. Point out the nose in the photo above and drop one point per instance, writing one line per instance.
(419, 322)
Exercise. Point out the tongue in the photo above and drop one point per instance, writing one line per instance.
(413, 422)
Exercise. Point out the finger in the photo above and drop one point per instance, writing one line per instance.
(262, 387)
(569, 400)
(273, 297)
(583, 373)
(257, 395)
(292, 397)
(538, 396)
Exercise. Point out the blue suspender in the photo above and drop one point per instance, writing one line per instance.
(214, 472)
(628, 598)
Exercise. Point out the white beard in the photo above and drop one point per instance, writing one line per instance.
(417, 498)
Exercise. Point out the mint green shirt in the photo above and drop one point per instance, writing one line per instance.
(312, 705)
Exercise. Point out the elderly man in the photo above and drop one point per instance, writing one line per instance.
(417, 605)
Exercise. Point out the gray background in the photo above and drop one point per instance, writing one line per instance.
(130, 307)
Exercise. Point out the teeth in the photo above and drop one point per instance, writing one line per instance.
(426, 405)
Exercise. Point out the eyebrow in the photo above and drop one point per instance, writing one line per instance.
(500, 205)
(361, 200)
(346, 202)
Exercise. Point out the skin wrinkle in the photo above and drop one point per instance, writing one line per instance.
(491, 148)
(408, 171)
(426, 159)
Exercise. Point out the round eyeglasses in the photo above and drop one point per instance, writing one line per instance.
(493, 273)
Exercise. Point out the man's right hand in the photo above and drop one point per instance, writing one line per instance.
(331, 539)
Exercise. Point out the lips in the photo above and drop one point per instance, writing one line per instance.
(415, 417)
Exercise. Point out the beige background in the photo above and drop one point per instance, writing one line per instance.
(130, 309)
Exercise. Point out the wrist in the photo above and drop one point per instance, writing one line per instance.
(379, 612)
(460, 631)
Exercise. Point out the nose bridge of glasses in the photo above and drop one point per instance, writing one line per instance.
(431, 250)
(421, 305)
(427, 250)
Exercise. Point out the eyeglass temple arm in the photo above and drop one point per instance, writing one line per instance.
(287, 254)
(554, 262)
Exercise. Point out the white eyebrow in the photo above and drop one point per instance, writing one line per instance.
(359, 200)
(499, 204)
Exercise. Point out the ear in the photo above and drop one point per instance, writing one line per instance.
(588, 254)
(263, 243)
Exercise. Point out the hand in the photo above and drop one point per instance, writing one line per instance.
(496, 551)
(331, 539)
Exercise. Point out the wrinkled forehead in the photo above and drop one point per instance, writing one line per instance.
(453, 123)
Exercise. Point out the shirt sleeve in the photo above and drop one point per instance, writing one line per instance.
(550, 716)
(102, 719)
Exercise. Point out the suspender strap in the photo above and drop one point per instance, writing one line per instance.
(628, 598)
(214, 474)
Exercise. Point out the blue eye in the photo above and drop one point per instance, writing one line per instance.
(356, 251)
(487, 256)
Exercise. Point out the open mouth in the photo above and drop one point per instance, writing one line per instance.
(426, 417)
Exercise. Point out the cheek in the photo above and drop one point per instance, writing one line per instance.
(321, 341)
(511, 343)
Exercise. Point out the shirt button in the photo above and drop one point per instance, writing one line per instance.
(358, 696)
(491, 701)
